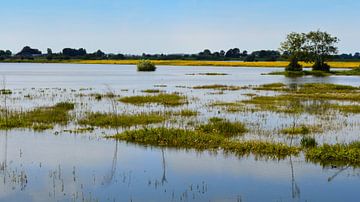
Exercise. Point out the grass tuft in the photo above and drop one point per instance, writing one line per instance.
(109, 120)
(162, 98)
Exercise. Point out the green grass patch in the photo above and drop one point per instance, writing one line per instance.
(301, 130)
(5, 92)
(110, 120)
(222, 127)
(338, 154)
(352, 72)
(272, 87)
(39, 119)
(209, 74)
(186, 113)
(308, 142)
(162, 98)
(152, 91)
(218, 87)
(180, 138)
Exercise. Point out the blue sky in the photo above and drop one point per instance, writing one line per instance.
(172, 26)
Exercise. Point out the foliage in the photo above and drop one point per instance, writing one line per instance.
(319, 46)
(308, 142)
(315, 47)
(294, 47)
(146, 66)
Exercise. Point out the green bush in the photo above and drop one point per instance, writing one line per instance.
(308, 142)
(146, 66)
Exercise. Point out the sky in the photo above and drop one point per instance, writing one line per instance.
(172, 26)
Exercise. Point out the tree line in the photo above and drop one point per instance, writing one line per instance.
(316, 47)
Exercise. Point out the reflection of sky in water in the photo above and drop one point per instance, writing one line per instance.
(68, 164)
(48, 167)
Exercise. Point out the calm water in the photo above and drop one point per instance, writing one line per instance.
(60, 166)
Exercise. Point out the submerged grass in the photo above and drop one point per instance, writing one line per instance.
(162, 98)
(39, 119)
(301, 130)
(110, 120)
(310, 98)
(152, 91)
(186, 113)
(208, 74)
(272, 87)
(180, 138)
(218, 87)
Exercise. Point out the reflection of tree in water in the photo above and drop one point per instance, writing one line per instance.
(295, 190)
(342, 169)
(163, 179)
(109, 178)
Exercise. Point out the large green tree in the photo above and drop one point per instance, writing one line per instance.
(315, 47)
(293, 46)
(319, 47)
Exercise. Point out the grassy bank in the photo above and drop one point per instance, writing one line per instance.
(199, 140)
(191, 63)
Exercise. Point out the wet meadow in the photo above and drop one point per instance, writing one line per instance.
(93, 132)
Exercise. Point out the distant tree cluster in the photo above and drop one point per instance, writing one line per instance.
(4, 54)
(316, 47)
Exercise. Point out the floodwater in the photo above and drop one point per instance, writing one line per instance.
(56, 165)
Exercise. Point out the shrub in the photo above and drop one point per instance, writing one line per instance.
(146, 66)
(294, 66)
(318, 66)
(308, 142)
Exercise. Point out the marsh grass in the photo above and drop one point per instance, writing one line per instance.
(352, 72)
(301, 130)
(338, 154)
(81, 130)
(5, 92)
(306, 98)
(272, 87)
(354, 109)
(111, 120)
(308, 142)
(222, 127)
(218, 87)
(99, 96)
(152, 91)
(208, 74)
(195, 139)
(230, 107)
(186, 113)
(40, 118)
(162, 98)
